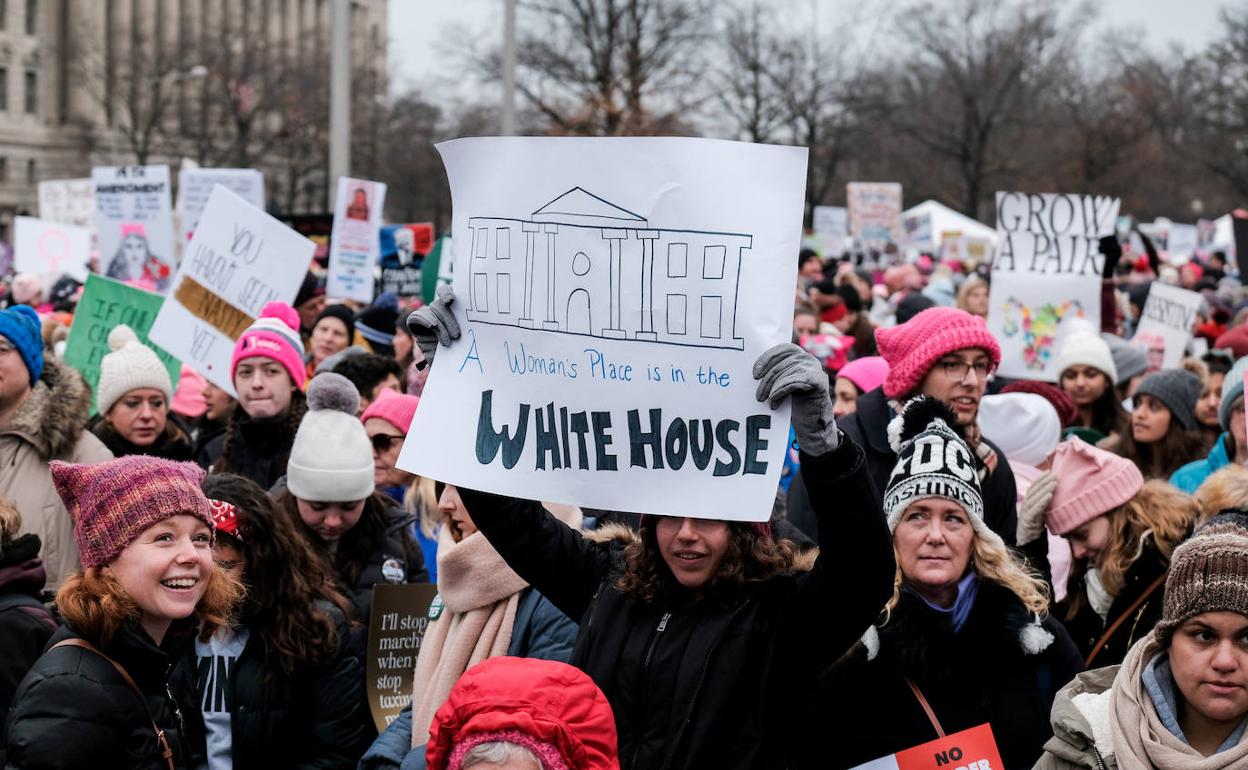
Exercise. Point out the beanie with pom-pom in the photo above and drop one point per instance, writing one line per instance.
(933, 461)
(131, 365)
(21, 326)
(331, 460)
(275, 335)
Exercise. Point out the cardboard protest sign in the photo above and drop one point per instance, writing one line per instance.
(134, 223)
(875, 213)
(354, 246)
(610, 329)
(68, 201)
(973, 749)
(195, 185)
(918, 227)
(830, 227)
(105, 304)
(1181, 241)
(239, 259)
(1046, 272)
(1166, 324)
(40, 246)
(396, 628)
(437, 268)
(402, 251)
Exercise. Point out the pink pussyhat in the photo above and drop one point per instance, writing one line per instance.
(133, 228)
(866, 373)
(1090, 482)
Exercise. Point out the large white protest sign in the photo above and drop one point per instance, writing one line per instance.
(195, 185)
(134, 222)
(1167, 322)
(1181, 241)
(1047, 272)
(875, 213)
(614, 295)
(40, 246)
(830, 229)
(68, 201)
(239, 259)
(355, 246)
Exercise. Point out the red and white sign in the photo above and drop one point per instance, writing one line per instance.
(973, 749)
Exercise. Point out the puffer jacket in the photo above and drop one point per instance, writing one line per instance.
(50, 424)
(313, 717)
(998, 668)
(710, 682)
(1081, 725)
(74, 710)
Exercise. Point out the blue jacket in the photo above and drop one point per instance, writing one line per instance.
(1191, 476)
(540, 631)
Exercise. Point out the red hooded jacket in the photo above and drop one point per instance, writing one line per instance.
(546, 702)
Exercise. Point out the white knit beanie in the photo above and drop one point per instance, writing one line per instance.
(1024, 426)
(129, 366)
(1086, 348)
(331, 460)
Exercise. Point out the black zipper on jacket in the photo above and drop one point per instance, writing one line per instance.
(1099, 762)
(697, 687)
(645, 673)
(177, 711)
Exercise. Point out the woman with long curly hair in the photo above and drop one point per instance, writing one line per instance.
(279, 687)
(267, 370)
(965, 639)
(101, 695)
(702, 635)
(1122, 531)
(1164, 434)
(331, 497)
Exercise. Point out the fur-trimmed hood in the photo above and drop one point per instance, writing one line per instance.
(55, 413)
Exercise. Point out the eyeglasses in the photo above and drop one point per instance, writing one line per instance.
(957, 369)
(383, 441)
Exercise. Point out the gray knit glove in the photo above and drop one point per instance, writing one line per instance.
(434, 323)
(1035, 505)
(788, 370)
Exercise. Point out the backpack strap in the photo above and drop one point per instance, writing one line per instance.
(1128, 612)
(165, 749)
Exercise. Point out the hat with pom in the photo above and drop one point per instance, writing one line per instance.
(112, 503)
(21, 326)
(912, 348)
(130, 365)
(331, 459)
(933, 460)
(275, 335)
(398, 409)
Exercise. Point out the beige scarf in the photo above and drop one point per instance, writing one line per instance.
(1140, 738)
(479, 593)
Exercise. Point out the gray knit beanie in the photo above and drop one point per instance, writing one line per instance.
(1208, 573)
(1232, 388)
(1178, 389)
(1130, 358)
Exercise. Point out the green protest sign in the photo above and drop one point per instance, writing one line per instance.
(106, 303)
(435, 271)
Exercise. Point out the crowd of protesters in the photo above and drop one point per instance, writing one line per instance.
(186, 578)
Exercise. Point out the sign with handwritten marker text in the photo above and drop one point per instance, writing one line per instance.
(1169, 317)
(134, 224)
(614, 295)
(195, 185)
(355, 245)
(239, 259)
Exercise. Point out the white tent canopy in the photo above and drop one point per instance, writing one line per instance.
(943, 220)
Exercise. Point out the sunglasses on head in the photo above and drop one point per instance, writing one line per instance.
(383, 441)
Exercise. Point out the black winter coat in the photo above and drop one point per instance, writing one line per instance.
(709, 683)
(868, 427)
(260, 450)
(74, 710)
(864, 710)
(396, 560)
(314, 717)
(25, 624)
(174, 444)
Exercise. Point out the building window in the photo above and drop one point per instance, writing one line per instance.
(677, 313)
(677, 260)
(712, 314)
(31, 169)
(4, 169)
(713, 261)
(4, 87)
(504, 292)
(4, 14)
(502, 243)
(482, 236)
(32, 17)
(32, 92)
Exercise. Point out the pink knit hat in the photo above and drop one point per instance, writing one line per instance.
(275, 335)
(1090, 482)
(395, 408)
(188, 397)
(112, 503)
(912, 348)
(866, 373)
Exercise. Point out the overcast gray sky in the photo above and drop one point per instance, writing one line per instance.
(417, 26)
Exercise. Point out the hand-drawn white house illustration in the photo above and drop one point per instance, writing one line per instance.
(562, 270)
